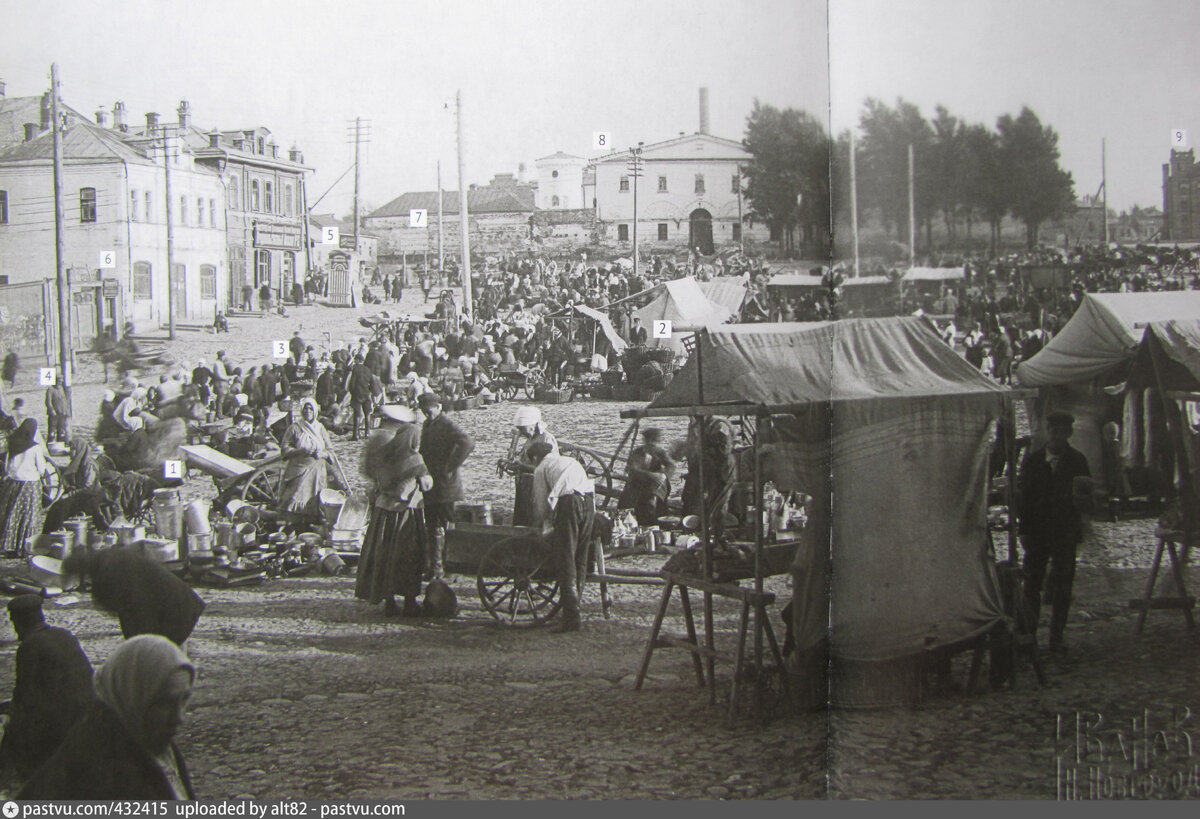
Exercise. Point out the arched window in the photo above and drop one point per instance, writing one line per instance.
(254, 194)
(554, 174)
(141, 281)
(235, 201)
(554, 202)
(267, 201)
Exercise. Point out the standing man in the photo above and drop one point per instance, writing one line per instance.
(637, 333)
(56, 412)
(564, 506)
(444, 447)
(1051, 526)
(53, 688)
(296, 347)
(358, 384)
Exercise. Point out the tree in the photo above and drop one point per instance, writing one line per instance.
(985, 190)
(883, 169)
(947, 169)
(791, 156)
(1038, 189)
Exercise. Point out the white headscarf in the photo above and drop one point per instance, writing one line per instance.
(134, 675)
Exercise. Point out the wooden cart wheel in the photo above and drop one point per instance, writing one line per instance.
(262, 487)
(52, 485)
(599, 472)
(508, 390)
(516, 583)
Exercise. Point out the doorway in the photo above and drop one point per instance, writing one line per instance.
(700, 232)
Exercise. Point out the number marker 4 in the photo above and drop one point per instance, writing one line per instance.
(329, 236)
(662, 329)
(602, 140)
(279, 349)
(172, 469)
(47, 376)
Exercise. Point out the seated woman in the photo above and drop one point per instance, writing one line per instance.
(82, 472)
(122, 747)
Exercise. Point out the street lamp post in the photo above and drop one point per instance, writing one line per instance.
(635, 170)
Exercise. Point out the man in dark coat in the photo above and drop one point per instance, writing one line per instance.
(144, 595)
(296, 347)
(444, 448)
(1051, 527)
(53, 689)
(359, 386)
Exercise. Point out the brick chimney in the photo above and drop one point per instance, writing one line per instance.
(102, 117)
(294, 155)
(214, 139)
(704, 110)
(31, 131)
(151, 123)
(44, 124)
(185, 113)
(119, 117)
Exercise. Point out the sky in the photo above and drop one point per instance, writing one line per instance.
(536, 76)
(539, 76)
(1123, 71)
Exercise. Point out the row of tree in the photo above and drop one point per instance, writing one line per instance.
(964, 174)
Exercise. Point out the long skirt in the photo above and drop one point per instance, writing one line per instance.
(393, 555)
(21, 511)
(303, 480)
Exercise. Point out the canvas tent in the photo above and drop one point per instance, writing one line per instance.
(1093, 351)
(933, 274)
(683, 303)
(889, 430)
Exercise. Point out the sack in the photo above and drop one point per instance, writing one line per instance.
(440, 600)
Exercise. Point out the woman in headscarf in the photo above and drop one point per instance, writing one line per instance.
(528, 429)
(306, 448)
(121, 748)
(393, 552)
(21, 489)
(82, 472)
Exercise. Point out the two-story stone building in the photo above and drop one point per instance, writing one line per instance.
(1181, 197)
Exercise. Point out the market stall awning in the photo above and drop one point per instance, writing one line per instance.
(933, 274)
(618, 343)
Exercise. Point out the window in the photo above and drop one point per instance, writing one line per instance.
(212, 213)
(87, 204)
(3, 207)
(208, 281)
(622, 233)
(133, 203)
(254, 194)
(267, 198)
(262, 271)
(662, 184)
(199, 211)
(235, 201)
(183, 210)
(149, 212)
(554, 201)
(699, 183)
(288, 268)
(287, 200)
(624, 184)
(553, 175)
(662, 231)
(262, 148)
(141, 281)
(737, 232)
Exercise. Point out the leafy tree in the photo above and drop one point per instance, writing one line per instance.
(1038, 189)
(947, 169)
(985, 192)
(791, 156)
(883, 169)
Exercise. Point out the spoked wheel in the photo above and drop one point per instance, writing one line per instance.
(597, 469)
(263, 486)
(508, 390)
(516, 583)
(52, 485)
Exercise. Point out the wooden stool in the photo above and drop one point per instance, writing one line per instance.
(1179, 559)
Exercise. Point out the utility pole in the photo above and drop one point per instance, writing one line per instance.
(854, 201)
(170, 239)
(361, 134)
(912, 214)
(441, 254)
(463, 215)
(635, 170)
(1104, 180)
(60, 273)
(741, 241)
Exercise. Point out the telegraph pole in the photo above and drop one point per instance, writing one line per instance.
(170, 240)
(912, 214)
(635, 170)
(854, 200)
(741, 239)
(441, 254)
(60, 273)
(1104, 187)
(463, 216)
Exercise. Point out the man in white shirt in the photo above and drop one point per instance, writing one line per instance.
(564, 506)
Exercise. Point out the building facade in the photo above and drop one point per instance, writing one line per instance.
(560, 182)
(1181, 197)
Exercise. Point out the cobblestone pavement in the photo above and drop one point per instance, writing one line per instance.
(305, 692)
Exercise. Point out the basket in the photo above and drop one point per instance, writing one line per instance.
(552, 395)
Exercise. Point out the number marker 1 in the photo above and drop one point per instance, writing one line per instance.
(172, 469)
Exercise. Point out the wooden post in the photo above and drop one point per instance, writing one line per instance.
(63, 287)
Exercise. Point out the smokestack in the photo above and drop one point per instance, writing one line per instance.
(119, 117)
(185, 113)
(31, 131)
(704, 110)
(151, 123)
(102, 117)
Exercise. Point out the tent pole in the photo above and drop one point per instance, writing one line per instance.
(759, 534)
(1182, 462)
(1010, 491)
(706, 544)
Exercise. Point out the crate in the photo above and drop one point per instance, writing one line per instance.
(601, 391)
(552, 395)
(469, 402)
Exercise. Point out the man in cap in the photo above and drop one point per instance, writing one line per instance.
(637, 333)
(53, 688)
(564, 506)
(361, 389)
(445, 446)
(1048, 501)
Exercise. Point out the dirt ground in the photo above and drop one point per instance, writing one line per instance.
(304, 691)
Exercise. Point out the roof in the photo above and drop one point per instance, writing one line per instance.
(933, 274)
(81, 140)
(795, 280)
(16, 111)
(665, 149)
(791, 365)
(1100, 338)
(556, 155)
(511, 199)
(1170, 354)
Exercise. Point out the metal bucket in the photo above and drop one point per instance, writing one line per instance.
(61, 543)
(195, 516)
(199, 546)
(168, 514)
(224, 536)
(81, 526)
(332, 502)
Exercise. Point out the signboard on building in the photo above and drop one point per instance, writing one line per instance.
(348, 241)
(278, 237)
(110, 287)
